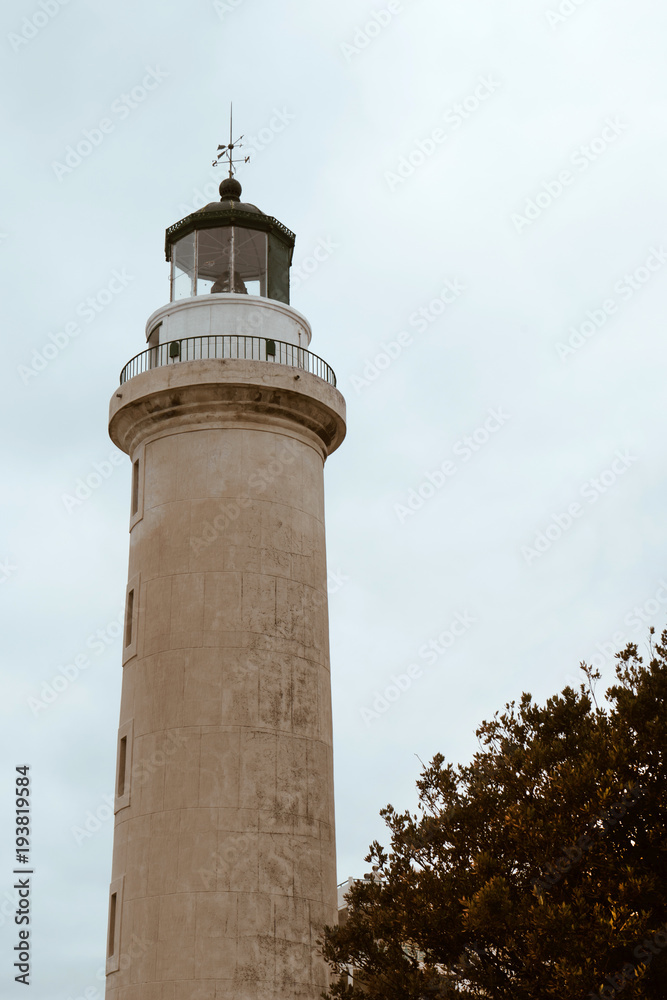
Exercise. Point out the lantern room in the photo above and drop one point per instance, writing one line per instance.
(228, 247)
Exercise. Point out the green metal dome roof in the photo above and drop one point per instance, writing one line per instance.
(229, 211)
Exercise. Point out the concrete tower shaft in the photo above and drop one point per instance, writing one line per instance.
(224, 846)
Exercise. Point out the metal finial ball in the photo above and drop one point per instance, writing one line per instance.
(230, 189)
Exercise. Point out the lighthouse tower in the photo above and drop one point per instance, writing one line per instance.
(224, 851)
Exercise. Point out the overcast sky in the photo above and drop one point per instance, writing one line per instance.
(487, 180)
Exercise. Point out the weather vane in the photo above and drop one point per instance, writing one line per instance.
(228, 151)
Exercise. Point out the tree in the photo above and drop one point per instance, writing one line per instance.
(539, 870)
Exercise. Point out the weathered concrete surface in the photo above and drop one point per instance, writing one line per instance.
(224, 846)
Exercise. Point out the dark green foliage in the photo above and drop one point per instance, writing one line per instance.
(539, 870)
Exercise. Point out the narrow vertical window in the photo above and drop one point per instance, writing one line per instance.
(138, 474)
(114, 932)
(131, 625)
(122, 764)
(111, 944)
(135, 488)
(129, 611)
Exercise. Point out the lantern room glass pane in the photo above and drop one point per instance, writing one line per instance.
(214, 251)
(280, 257)
(250, 259)
(183, 268)
(231, 259)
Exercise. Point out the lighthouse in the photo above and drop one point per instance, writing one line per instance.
(224, 844)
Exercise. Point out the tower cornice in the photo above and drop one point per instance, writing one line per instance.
(221, 392)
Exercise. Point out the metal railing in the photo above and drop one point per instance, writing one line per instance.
(228, 346)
